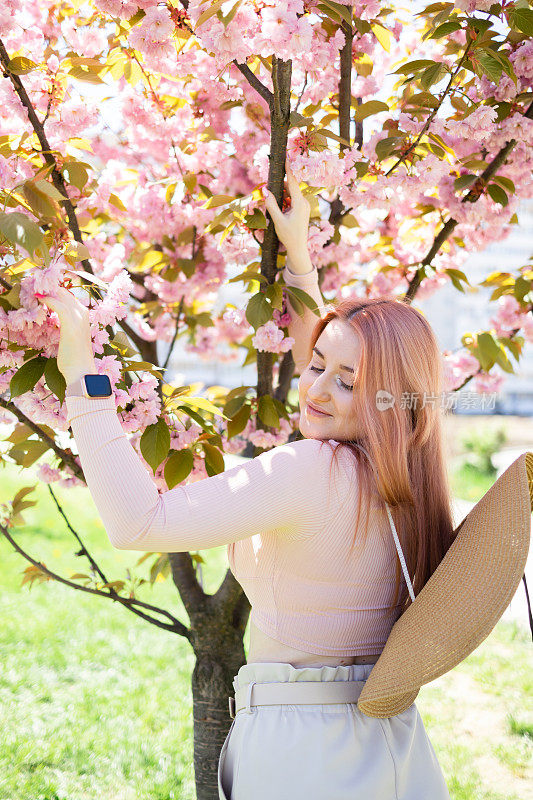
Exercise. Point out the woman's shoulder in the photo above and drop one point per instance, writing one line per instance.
(322, 455)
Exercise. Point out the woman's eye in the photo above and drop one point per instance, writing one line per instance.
(344, 385)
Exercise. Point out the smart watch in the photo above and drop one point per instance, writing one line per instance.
(90, 386)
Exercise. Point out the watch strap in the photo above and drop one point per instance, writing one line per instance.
(76, 389)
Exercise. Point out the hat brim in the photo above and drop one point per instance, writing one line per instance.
(464, 598)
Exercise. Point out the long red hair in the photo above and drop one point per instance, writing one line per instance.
(407, 467)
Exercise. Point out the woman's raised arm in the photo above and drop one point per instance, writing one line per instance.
(292, 230)
(300, 327)
(283, 489)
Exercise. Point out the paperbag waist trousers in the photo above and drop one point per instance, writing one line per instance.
(327, 751)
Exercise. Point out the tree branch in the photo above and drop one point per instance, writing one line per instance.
(83, 551)
(57, 177)
(255, 83)
(172, 343)
(279, 128)
(337, 209)
(265, 93)
(131, 603)
(471, 197)
(65, 455)
(433, 113)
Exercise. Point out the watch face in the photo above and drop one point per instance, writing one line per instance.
(98, 385)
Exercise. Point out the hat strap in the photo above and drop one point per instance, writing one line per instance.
(400, 553)
(396, 540)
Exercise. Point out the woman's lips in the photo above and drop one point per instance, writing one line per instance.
(311, 410)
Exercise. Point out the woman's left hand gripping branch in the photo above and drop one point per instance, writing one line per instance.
(75, 355)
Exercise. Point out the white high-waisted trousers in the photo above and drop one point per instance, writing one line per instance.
(330, 751)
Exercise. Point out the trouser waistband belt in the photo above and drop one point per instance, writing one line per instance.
(295, 692)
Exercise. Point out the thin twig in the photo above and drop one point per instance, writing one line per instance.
(472, 196)
(130, 602)
(65, 455)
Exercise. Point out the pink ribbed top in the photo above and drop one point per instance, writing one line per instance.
(287, 527)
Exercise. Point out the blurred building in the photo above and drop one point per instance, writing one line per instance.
(452, 313)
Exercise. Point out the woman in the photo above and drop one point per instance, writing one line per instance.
(311, 537)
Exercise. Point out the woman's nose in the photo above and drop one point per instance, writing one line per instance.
(319, 387)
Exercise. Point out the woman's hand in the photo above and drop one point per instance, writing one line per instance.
(293, 225)
(75, 355)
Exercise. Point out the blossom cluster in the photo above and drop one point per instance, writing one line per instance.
(176, 122)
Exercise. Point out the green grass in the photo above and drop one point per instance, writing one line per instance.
(97, 703)
(469, 483)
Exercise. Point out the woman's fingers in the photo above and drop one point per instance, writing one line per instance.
(294, 186)
(64, 303)
(272, 207)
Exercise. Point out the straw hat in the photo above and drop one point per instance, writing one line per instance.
(464, 598)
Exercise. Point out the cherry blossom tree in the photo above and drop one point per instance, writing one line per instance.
(149, 182)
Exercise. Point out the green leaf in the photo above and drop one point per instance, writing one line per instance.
(21, 230)
(199, 402)
(498, 194)
(229, 16)
(155, 443)
(23, 492)
(514, 345)
(361, 167)
(234, 405)
(367, 109)
(218, 200)
(121, 343)
(490, 65)
(444, 30)
(413, 66)
(76, 173)
(297, 120)
(274, 293)
(432, 75)
(27, 375)
(114, 200)
(210, 12)
(214, 459)
(456, 275)
(40, 203)
(382, 34)
(256, 220)
(89, 75)
(385, 146)
(49, 189)
(55, 379)
(490, 352)
(479, 25)
(267, 411)
(238, 420)
(506, 64)
(27, 453)
(248, 275)
(20, 65)
(521, 288)
(336, 11)
(522, 19)
(463, 181)
(178, 467)
(303, 297)
(258, 310)
(505, 183)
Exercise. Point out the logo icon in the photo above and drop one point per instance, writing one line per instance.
(384, 400)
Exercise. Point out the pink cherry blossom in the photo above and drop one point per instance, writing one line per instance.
(457, 368)
(270, 338)
(488, 382)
